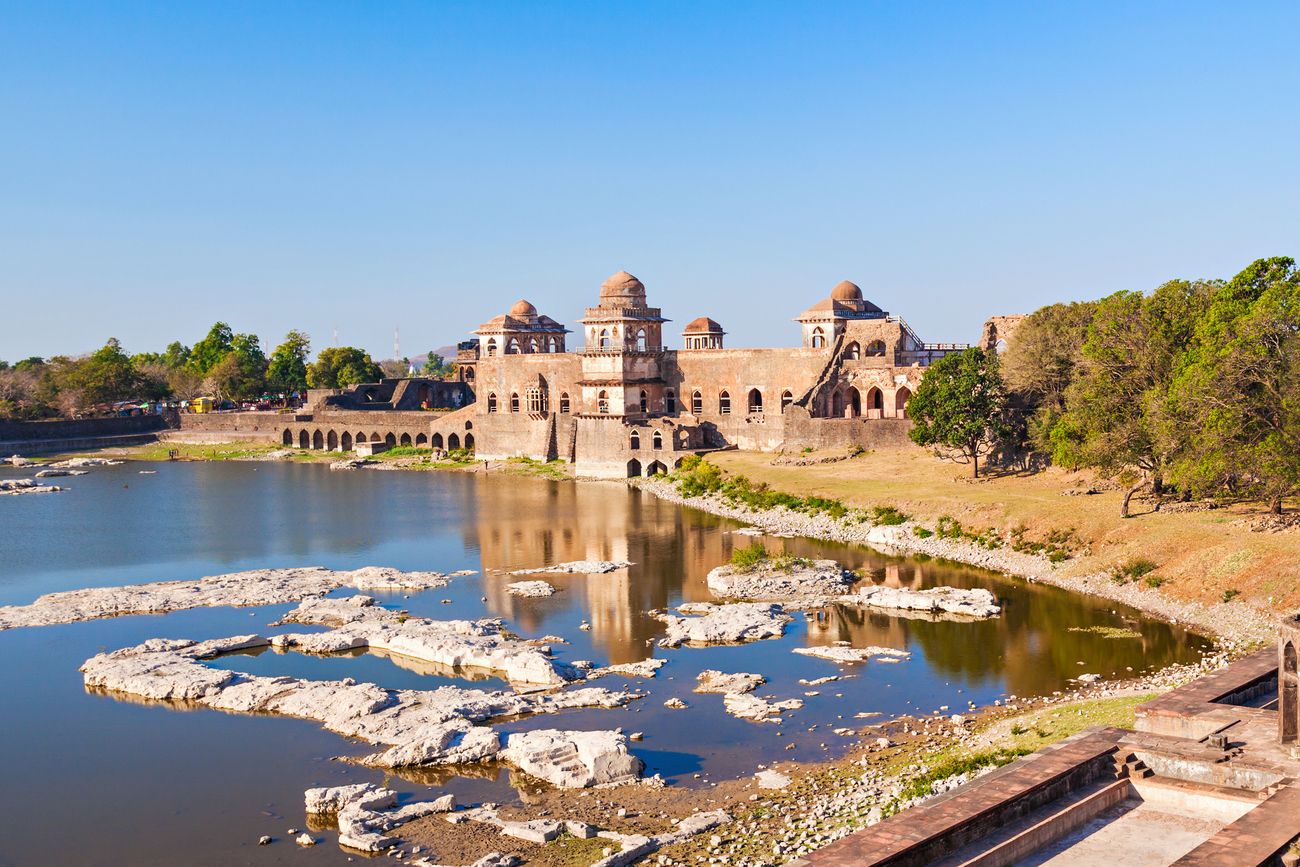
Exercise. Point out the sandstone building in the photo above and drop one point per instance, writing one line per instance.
(627, 404)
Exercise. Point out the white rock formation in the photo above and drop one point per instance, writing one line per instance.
(84, 462)
(713, 681)
(634, 847)
(756, 709)
(257, 587)
(818, 579)
(837, 653)
(366, 813)
(644, 668)
(577, 567)
(530, 588)
(26, 486)
(455, 644)
(975, 602)
(723, 624)
(54, 474)
(417, 727)
(770, 779)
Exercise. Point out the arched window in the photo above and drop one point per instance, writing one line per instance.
(657, 440)
(670, 401)
(697, 403)
(724, 403)
(635, 442)
(491, 347)
(640, 340)
(818, 338)
(553, 345)
(852, 351)
(645, 401)
(604, 338)
(875, 400)
(537, 402)
(492, 401)
(514, 402)
(786, 399)
(564, 402)
(755, 400)
(602, 402)
(469, 374)
(512, 347)
(533, 345)
(876, 349)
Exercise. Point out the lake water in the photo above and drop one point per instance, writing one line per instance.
(98, 779)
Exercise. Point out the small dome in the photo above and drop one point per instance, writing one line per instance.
(622, 284)
(703, 325)
(846, 291)
(523, 308)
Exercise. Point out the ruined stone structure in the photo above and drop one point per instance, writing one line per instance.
(627, 405)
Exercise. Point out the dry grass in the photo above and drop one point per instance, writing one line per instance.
(1201, 554)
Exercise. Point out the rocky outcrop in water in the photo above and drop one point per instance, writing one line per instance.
(531, 589)
(239, 589)
(442, 726)
(577, 567)
(974, 602)
(713, 681)
(772, 582)
(26, 486)
(839, 653)
(722, 624)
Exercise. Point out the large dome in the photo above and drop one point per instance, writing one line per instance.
(523, 308)
(846, 291)
(621, 286)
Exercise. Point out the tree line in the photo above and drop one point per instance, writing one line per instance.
(1191, 390)
(224, 365)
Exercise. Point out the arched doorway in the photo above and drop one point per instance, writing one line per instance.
(633, 468)
(656, 469)
(436, 441)
(332, 441)
(421, 440)
(853, 351)
(837, 405)
(405, 440)
(786, 399)
(469, 442)
(304, 440)
(855, 402)
(901, 397)
(346, 441)
(391, 440)
(453, 442)
(318, 440)
(287, 439)
(875, 399)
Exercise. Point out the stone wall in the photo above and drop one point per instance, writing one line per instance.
(81, 428)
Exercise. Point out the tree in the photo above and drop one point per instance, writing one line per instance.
(341, 366)
(287, 371)
(960, 407)
(1040, 365)
(436, 366)
(395, 368)
(105, 375)
(233, 378)
(1238, 391)
(209, 351)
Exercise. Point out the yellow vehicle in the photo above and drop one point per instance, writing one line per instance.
(203, 404)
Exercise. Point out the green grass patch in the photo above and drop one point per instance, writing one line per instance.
(887, 516)
(1132, 569)
(697, 477)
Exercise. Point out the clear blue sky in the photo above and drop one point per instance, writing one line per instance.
(364, 165)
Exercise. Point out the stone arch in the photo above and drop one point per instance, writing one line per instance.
(469, 442)
(644, 401)
(375, 437)
(345, 442)
(533, 346)
(318, 440)
(304, 439)
(670, 401)
(421, 440)
(1288, 687)
(755, 400)
(697, 403)
(724, 402)
(855, 402)
(853, 351)
(633, 468)
(787, 398)
(514, 401)
(641, 341)
(512, 346)
(657, 468)
(901, 397)
(604, 338)
(332, 440)
(469, 425)
(492, 401)
(602, 402)
(287, 439)
(405, 439)
(564, 402)
(837, 404)
(491, 347)
(876, 349)
(634, 441)
(875, 399)
(657, 440)
(453, 441)
(359, 438)
(553, 344)
(469, 374)
(818, 338)
(390, 439)
(436, 441)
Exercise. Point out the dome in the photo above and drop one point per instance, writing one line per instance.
(523, 308)
(846, 291)
(621, 285)
(703, 325)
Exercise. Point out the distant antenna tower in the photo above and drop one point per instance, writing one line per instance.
(397, 344)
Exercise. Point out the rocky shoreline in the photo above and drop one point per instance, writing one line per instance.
(1234, 625)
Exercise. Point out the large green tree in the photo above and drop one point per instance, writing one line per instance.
(1237, 395)
(960, 407)
(341, 366)
(105, 375)
(209, 351)
(287, 370)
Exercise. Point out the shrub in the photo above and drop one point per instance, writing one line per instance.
(1132, 569)
(921, 533)
(1229, 595)
(750, 558)
(1154, 581)
(887, 516)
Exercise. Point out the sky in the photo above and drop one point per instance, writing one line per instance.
(361, 167)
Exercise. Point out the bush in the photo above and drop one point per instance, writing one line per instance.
(887, 516)
(1229, 595)
(750, 558)
(1154, 581)
(921, 533)
(1132, 569)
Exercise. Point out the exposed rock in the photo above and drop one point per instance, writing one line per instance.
(419, 727)
(257, 587)
(578, 567)
(756, 709)
(20, 461)
(770, 779)
(84, 462)
(818, 579)
(352, 464)
(305, 840)
(334, 798)
(1088, 678)
(675, 703)
(455, 644)
(851, 654)
(530, 588)
(723, 624)
(974, 602)
(26, 486)
(637, 846)
(644, 668)
(54, 474)
(712, 681)
(264, 840)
